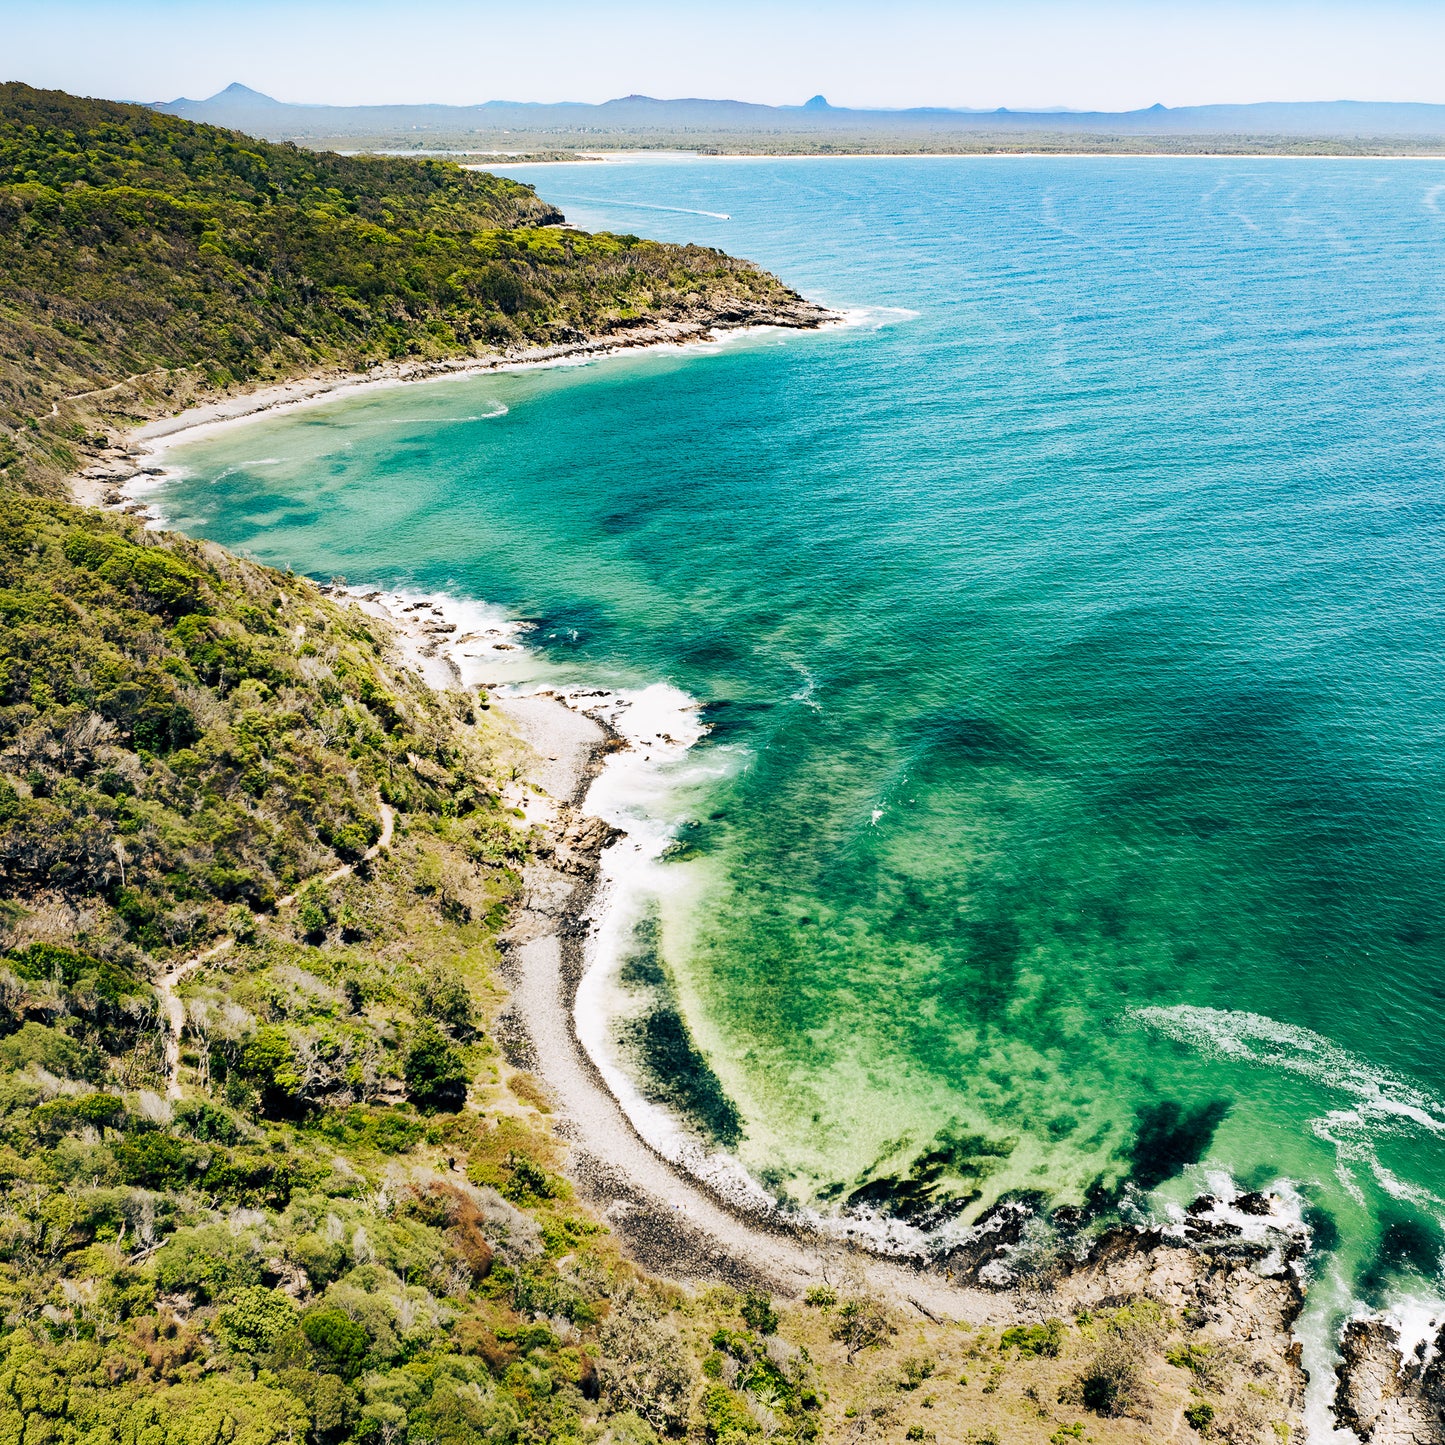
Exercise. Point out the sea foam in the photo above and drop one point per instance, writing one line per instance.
(1380, 1102)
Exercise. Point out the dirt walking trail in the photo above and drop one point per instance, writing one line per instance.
(165, 985)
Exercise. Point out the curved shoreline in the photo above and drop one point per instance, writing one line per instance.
(572, 733)
(120, 464)
(671, 1221)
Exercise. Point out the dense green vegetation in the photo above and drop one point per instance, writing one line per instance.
(264, 1174)
(349, 1221)
(144, 259)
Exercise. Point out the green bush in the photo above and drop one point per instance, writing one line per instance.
(268, 1061)
(1032, 1340)
(1112, 1384)
(208, 1262)
(255, 1320)
(341, 1345)
(436, 1078)
(1200, 1415)
(758, 1313)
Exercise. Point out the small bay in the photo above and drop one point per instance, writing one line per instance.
(1072, 631)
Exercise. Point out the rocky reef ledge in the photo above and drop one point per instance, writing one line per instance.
(1391, 1382)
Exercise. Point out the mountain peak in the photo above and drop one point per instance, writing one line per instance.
(818, 102)
(237, 91)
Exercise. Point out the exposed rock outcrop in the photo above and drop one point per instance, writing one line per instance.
(1386, 1394)
(1240, 1294)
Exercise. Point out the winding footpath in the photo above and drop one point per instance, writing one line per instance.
(175, 1010)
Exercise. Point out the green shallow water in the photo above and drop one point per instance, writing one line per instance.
(1071, 628)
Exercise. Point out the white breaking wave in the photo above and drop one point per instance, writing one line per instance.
(498, 409)
(647, 206)
(875, 318)
(1378, 1102)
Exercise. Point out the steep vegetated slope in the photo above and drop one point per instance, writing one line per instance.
(145, 259)
(263, 1174)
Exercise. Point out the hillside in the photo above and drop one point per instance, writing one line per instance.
(145, 260)
(267, 1173)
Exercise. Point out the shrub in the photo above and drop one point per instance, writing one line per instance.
(861, 1324)
(1200, 1415)
(209, 1262)
(204, 1122)
(644, 1365)
(1112, 1385)
(758, 1313)
(341, 1345)
(915, 1371)
(1033, 1340)
(436, 1077)
(255, 1320)
(312, 914)
(443, 996)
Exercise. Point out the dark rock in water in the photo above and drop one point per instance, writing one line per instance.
(1215, 1230)
(1255, 1203)
(1408, 1249)
(676, 1075)
(1385, 1398)
(940, 1182)
(984, 1259)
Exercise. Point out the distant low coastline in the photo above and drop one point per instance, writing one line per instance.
(642, 154)
(721, 126)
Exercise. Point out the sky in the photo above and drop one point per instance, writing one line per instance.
(1106, 55)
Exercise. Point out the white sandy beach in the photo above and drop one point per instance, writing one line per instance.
(138, 458)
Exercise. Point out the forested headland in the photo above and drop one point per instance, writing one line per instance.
(146, 261)
(334, 1212)
(267, 1173)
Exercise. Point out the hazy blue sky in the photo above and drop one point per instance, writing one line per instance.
(1113, 54)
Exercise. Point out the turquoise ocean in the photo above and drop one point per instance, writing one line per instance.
(1071, 625)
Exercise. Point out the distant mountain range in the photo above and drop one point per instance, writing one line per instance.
(636, 115)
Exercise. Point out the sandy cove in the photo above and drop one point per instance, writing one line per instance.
(134, 457)
(1238, 1264)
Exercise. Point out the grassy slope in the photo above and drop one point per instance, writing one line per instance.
(144, 259)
